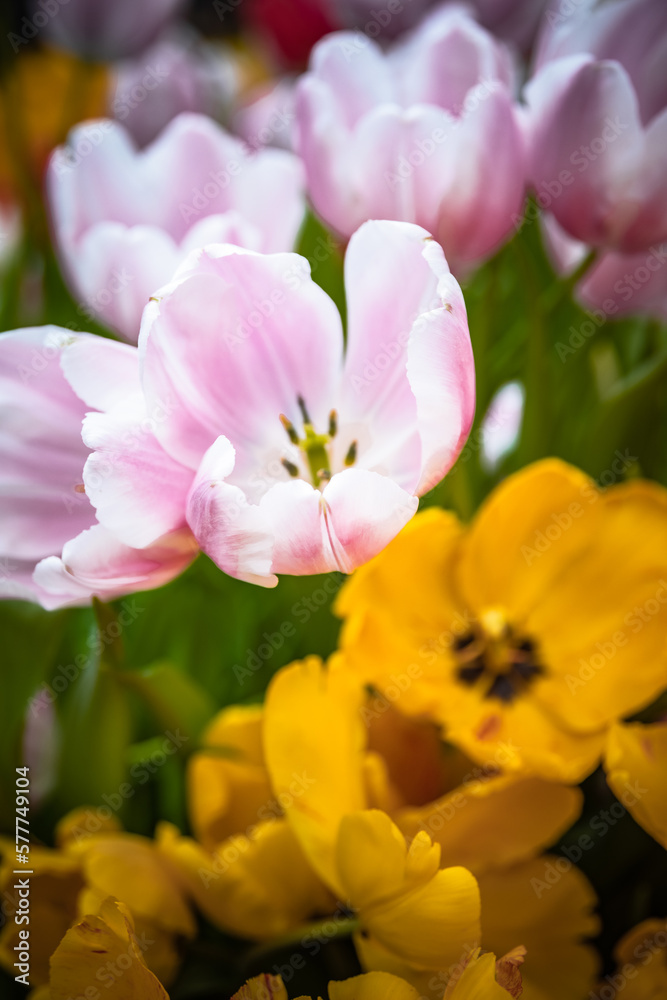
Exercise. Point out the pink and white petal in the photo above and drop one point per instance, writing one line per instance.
(138, 490)
(353, 519)
(234, 533)
(17, 584)
(103, 373)
(484, 161)
(392, 271)
(115, 269)
(441, 371)
(232, 345)
(628, 284)
(41, 451)
(326, 147)
(269, 191)
(355, 70)
(650, 224)
(572, 104)
(96, 563)
(231, 227)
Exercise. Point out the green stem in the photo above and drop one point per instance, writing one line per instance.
(318, 929)
(110, 631)
(536, 422)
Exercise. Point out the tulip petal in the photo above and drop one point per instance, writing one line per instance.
(355, 516)
(95, 562)
(233, 532)
(258, 346)
(635, 761)
(137, 489)
(41, 451)
(103, 373)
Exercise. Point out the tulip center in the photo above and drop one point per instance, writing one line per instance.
(314, 447)
(501, 662)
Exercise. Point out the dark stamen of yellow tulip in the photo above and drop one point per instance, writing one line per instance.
(506, 667)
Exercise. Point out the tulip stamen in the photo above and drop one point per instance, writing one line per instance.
(289, 427)
(291, 467)
(503, 664)
(351, 456)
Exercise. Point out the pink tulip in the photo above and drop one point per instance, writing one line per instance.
(44, 510)
(284, 453)
(427, 133)
(123, 220)
(502, 424)
(178, 73)
(592, 162)
(631, 32)
(267, 116)
(617, 285)
(98, 30)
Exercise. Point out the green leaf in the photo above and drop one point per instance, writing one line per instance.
(176, 700)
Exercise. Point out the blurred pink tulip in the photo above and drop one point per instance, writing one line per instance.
(43, 508)
(178, 73)
(617, 285)
(285, 455)
(267, 116)
(98, 30)
(593, 162)
(123, 219)
(631, 32)
(512, 20)
(427, 133)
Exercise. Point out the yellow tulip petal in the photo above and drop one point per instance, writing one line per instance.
(636, 766)
(478, 982)
(130, 868)
(425, 915)
(227, 790)
(265, 987)
(496, 822)
(314, 743)
(546, 905)
(642, 962)
(256, 886)
(54, 888)
(102, 950)
(498, 567)
(84, 822)
(598, 625)
(519, 737)
(372, 986)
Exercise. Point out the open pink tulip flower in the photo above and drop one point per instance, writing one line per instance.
(98, 30)
(593, 162)
(427, 133)
(52, 549)
(281, 451)
(124, 219)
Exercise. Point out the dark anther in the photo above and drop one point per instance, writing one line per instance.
(290, 466)
(304, 412)
(333, 423)
(471, 673)
(527, 670)
(289, 427)
(462, 641)
(502, 687)
(526, 646)
(351, 456)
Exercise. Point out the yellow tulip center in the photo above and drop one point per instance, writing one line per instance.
(314, 446)
(501, 662)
